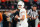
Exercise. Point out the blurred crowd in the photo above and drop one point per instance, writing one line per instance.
(7, 18)
(11, 4)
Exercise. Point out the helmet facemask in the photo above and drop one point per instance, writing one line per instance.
(20, 5)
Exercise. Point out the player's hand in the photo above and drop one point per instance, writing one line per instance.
(28, 16)
(8, 19)
(16, 16)
(34, 18)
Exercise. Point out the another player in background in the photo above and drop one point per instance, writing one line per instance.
(33, 17)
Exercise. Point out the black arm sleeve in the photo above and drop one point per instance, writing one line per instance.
(4, 17)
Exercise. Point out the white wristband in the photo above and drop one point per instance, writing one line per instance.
(19, 18)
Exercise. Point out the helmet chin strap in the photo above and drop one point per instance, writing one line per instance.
(20, 8)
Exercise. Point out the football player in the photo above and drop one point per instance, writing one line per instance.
(22, 15)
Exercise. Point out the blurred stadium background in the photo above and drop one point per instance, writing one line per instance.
(12, 4)
(6, 5)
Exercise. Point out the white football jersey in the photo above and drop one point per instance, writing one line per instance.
(23, 22)
(22, 12)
